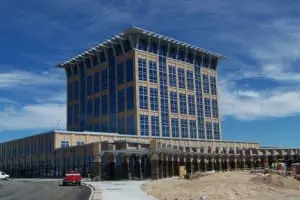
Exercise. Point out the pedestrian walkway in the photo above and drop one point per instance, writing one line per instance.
(125, 190)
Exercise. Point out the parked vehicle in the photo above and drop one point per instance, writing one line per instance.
(3, 176)
(72, 178)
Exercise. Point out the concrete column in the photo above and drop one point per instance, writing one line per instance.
(192, 165)
(154, 166)
(116, 172)
(167, 166)
(212, 163)
(172, 164)
(251, 163)
(205, 164)
(235, 164)
(259, 163)
(198, 164)
(140, 167)
(178, 164)
(162, 163)
(227, 164)
(128, 168)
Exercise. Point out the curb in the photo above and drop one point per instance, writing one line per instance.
(92, 188)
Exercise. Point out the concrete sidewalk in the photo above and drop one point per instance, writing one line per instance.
(125, 190)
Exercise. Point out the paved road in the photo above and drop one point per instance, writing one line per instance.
(45, 190)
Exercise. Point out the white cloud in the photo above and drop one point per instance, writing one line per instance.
(256, 105)
(33, 116)
(39, 108)
(23, 78)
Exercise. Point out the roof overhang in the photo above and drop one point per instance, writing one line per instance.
(129, 31)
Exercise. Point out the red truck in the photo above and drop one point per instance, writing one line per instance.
(72, 177)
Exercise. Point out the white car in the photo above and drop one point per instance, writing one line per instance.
(4, 176)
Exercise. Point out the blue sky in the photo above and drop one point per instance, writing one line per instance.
(259, 81)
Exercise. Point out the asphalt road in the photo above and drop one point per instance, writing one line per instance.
(43, 190)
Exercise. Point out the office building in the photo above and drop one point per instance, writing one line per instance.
(145, 84)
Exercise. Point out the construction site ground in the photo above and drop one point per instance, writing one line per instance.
(237, 185)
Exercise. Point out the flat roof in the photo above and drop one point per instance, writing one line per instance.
(129, 136)
(145, 137)
(135, 30)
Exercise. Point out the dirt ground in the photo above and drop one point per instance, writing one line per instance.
(225, 186)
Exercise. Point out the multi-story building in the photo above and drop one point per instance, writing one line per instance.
(146, 84)
(137, 100)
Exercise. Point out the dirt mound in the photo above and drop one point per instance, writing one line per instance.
(277, 181)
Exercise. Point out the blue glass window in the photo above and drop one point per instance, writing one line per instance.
(97, 106)
(155, 125)
(126, 45)
(182, 101)
(216, 131)
(76, 90)
(172, 76)
(152, 71)
(206, 60)
(69, 72)
(190, 80)
(207, 107)
(129, 70)
(215, 110)
(70, 92)
(144, 125)
(96, 82)
(120, 73)
(164, 95)
(121, 125)
(87, 63)
(121, 100)
(104, 79)
(173, 102)
(97, 127)
(102, 57)
(173, 52)
(90, 108)
(208, 130)
(213, 85)
(95, 60)
(104, 105)
(143, 44)
(214, 63)
(118, 49)
(70, 115)
(181, 55)
(162, 50)
(90, 85)
(78, 143)
(131, 125)
(181, 78)
(205, 84)
(64, 144)
(184, 128)
(190, 57)
(175, 128)
(130, 98)
(153, 47)
(153, 99)
(191, 102)
(76, 113)
(143, 97)
(193, 131)
(104, 126)
(142, 69)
